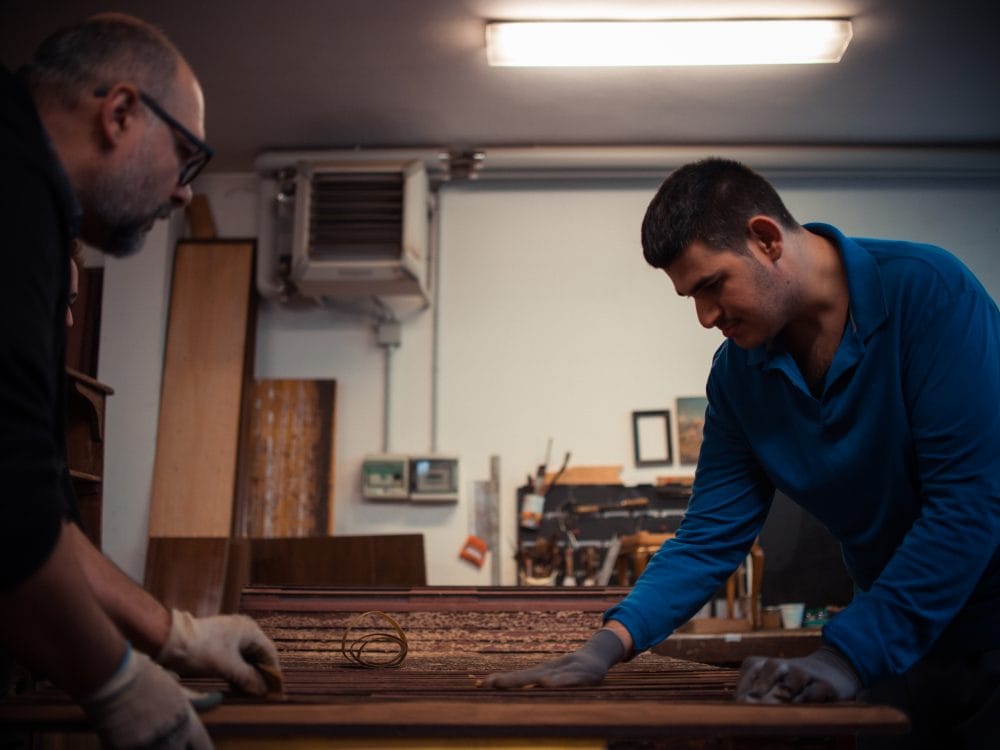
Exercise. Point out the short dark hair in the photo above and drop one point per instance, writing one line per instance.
(98, 52)
(708, 201)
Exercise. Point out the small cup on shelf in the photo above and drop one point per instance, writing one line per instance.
(791, 615)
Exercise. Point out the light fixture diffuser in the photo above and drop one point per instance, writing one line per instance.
(649, 43)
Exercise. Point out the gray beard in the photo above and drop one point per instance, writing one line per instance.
(126, 237)
(118, 212)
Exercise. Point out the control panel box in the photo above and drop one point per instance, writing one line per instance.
(385, 476)
(418, 477)
(434, 478)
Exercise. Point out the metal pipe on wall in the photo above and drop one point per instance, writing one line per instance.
(654, 161)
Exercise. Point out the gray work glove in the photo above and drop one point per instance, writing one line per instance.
(142, 706)
(824, 675)
(585, 666)
(226, 646)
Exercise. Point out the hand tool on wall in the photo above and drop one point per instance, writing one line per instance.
(539, 482)
(558, 474)
(629, 502)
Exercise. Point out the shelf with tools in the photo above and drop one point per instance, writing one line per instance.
(572, 534)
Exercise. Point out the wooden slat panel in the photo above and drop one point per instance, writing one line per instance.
(530, 718)
(456, 676)
(237, 574)
(197, 435)
(398, 560)
(262, 599)
(307, 624)
(291, 456)
(457, 636)
(188, 573)
(733, 648)
(515, 715)
(389, 560)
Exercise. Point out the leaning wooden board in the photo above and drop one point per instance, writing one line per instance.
(291, 447)
(208, 335)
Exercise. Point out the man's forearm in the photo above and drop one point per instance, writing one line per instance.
(136, 612)
(54, 624)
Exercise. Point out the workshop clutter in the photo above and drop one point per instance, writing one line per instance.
(574, 521)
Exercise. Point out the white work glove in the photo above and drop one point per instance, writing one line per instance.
(824, 675)
(142, 706)
(226, 646)
(200, 701)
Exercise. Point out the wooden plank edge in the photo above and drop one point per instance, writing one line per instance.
(633, 719)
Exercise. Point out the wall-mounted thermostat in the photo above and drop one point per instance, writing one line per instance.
(434, 478)
(385, 476)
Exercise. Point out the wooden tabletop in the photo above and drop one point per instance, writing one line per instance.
(504, 718)
(729, 649)
(455, 638)
(438, 696)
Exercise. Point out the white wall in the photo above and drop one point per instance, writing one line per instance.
(550, 325)
(135, 302)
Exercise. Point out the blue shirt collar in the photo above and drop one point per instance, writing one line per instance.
(867, 306)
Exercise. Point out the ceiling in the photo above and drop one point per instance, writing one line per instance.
(412, 74)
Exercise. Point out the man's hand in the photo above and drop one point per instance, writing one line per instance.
(142, 706)
(585, 666)
(226, 646)
(824, 675)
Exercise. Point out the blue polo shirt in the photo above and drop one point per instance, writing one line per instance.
(899, 457)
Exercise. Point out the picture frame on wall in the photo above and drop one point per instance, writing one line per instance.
(651, 438)
(690, 427)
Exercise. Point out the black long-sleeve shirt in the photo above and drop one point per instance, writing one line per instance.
(38, 219)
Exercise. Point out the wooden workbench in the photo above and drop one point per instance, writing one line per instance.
(457, 636)
(730, 649)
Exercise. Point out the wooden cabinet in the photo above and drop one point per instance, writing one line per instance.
(85, 406)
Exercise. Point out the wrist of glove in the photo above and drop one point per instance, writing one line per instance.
(141, 706)
(226, 646)
(822, 676)
(585, 666)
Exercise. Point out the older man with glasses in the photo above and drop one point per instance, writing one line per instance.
(99, 136)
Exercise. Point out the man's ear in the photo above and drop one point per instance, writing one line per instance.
(118, 112)
(766, 234)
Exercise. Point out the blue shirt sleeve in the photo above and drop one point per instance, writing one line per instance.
(950, 355)
(729, 501)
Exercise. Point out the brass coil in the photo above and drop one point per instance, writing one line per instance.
(355, 650)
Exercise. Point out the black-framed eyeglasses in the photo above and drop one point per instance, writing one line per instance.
(195, 152)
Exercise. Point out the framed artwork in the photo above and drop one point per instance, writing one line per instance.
(690, 425)
(651, 438)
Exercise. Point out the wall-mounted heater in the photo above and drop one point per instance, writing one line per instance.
(344, 229)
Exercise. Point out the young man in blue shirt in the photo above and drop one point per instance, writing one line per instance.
(860, 377)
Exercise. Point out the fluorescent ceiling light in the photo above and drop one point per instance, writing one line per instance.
(643, 43)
